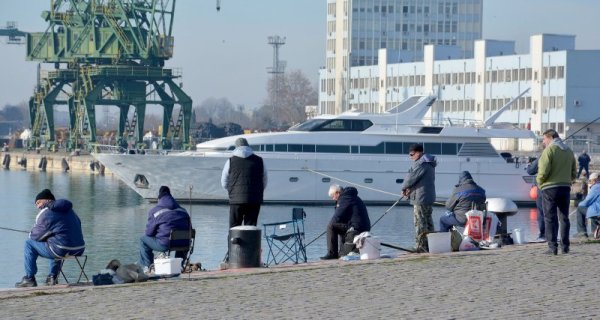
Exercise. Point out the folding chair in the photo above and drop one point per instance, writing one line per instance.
(182, 241)
(79, 263)
(285, 239)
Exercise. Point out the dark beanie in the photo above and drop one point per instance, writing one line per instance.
(163, 191)
(44, 195)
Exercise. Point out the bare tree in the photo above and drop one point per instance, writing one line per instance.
(221, 111)
(295, 93)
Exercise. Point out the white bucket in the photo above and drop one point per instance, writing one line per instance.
(371, 249)
(439, 242)
(519, 236)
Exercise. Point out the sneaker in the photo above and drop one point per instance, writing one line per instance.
(329, 257)
(551, 251)
(540, 239)
(51, 280)
(565, 250)
(26, 282)
(581, 235)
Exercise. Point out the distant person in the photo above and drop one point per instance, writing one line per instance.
(581, 213)
(584, 164)
(349, 220)
(55, 234)
(591, 204)
(244, 177)
(556, 172)
(467, 195)
(532, 169)
(167, 215)
(419, 187)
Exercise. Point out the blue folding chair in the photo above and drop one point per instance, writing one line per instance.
(285, 239)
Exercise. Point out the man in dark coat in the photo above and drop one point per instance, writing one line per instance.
(419, 187)
(244, 177)
(55, 234)
(584, 164)
(350, 219)
(466, 196)
(167, 215)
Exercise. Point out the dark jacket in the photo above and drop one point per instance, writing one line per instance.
(244, 177)
(466, 194)
(351, 210)
(421, 181)
(584, 159)
(167, 215)
(59, 226)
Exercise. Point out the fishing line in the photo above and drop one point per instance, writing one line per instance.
(350, 182)
(17, 230)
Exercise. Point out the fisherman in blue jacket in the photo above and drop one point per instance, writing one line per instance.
(467, 195)
(167, 215)
(592, 202)
(349, 220)
(55, 234)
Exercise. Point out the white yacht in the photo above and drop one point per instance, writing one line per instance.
(369, 151)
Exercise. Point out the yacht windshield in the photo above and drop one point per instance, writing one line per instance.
(309, 125)
(333, 125)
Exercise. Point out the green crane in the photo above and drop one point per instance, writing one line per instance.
(107, 52)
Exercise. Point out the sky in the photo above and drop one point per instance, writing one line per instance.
(225, 54)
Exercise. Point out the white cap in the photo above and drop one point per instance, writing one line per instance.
(594, 176)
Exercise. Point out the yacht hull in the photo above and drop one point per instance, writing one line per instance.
(305, 178)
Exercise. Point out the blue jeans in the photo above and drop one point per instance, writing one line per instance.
(448, 220)
(35, 249)
(147, 245)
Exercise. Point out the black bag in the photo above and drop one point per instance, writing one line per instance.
(102, 279)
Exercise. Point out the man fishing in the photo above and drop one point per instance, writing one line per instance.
(55, 234)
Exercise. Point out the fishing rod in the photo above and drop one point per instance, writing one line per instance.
(11, 229)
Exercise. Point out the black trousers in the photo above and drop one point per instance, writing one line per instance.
(336, 231)
(556, 203)
(243, 213)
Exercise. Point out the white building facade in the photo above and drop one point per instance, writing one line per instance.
(559, 84)
(358, 29)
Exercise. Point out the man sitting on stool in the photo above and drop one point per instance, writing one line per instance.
(466, 194)
(350, 219)
(167, 215)
(55, 234)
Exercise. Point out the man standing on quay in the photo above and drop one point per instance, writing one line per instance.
(419, 187)
(244, 177)
(556, 172)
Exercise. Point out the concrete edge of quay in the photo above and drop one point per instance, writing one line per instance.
(79, 163)
(313, 266)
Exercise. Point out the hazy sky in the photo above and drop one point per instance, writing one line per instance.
(225, 54)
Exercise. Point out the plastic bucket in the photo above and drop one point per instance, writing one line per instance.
(519, 236)
(371, 249)
(439, 242)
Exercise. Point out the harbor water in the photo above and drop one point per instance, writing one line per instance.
(114, 217)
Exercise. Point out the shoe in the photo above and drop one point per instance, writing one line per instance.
(551, 251)
(540, 239)
(329, 257)
(51, 280)
(26, 282)
(565, 250)
(581, 235)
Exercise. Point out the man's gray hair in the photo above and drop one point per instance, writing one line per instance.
(241, 142)
(333, 189)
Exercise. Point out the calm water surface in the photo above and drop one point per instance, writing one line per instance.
(114, 217)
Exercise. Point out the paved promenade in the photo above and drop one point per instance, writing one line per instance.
(515, 282)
